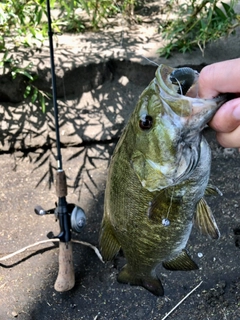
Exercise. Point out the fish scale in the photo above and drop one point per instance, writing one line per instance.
(157, 179)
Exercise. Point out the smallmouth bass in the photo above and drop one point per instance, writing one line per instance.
(157, 180)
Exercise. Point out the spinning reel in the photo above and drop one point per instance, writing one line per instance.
(76, 216)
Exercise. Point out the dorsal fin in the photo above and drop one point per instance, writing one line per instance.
(204, 220)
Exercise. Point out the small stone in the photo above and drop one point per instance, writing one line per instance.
(200, 255)
(14, 314)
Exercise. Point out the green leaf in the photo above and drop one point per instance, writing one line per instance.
(39, 16)
(228, 9)
(42, 102)
(14, 74)
(220, 13)
(203, 24)
(35, 95)
(27, 91)
(23, 72)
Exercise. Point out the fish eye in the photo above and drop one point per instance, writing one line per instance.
(146, 122)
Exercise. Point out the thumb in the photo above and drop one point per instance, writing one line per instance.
(227, 124)
(220, 77)
(227, 118)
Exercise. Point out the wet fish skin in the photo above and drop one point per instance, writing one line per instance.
(159, 170)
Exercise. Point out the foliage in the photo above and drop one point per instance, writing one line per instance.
(99, 10)
(20, 23)
(24, 23)
(194, 23)
(9, 64)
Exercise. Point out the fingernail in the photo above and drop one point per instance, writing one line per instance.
(236, 113)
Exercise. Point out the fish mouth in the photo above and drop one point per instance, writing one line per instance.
(185, 78)
(178, 88)
(176, 81)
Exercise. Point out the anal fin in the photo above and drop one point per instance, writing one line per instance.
(152, 284)
(181, 262)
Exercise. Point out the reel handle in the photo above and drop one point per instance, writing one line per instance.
(66, 277)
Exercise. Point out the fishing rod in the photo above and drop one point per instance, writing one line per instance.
(70, 216)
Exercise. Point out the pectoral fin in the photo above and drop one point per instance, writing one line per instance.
(181, 262)
(158, 206)
(109, 245)
(212, 191)
(204, 220)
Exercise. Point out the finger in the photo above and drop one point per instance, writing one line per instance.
(230, 139)
(220, 77)
(227, 118)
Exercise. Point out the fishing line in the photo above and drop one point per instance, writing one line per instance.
(180, 87)
(153, 62)
(11, 255)
(166, 221)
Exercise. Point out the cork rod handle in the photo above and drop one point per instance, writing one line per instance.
(66, 278)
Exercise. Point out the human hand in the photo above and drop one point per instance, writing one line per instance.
(223, 77)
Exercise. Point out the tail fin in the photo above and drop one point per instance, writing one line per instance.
(149, 282)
